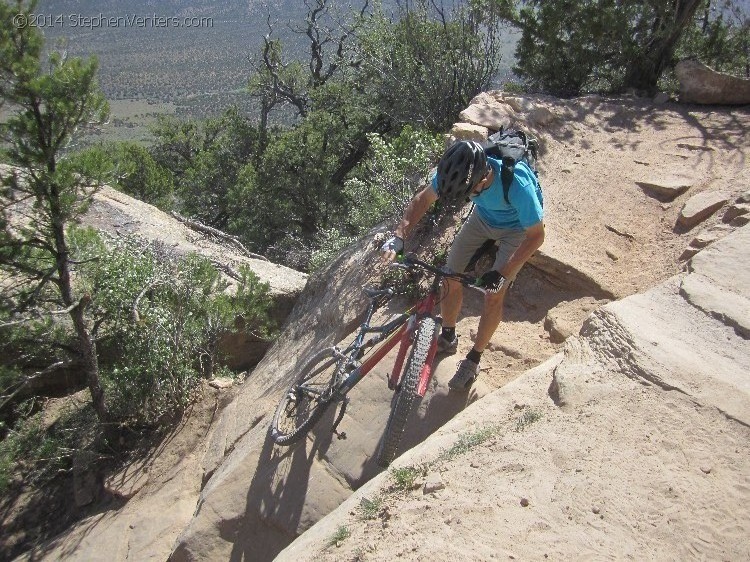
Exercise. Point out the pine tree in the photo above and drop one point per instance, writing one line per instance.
(50, 100)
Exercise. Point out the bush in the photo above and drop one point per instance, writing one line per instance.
(158, 321)
(381, 188)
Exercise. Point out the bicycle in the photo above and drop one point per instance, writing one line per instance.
(331, 373)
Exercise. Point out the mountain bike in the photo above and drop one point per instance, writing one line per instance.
(330, 374)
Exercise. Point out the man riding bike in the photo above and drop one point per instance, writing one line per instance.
(466, 171)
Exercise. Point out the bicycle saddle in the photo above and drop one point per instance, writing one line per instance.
(375, 293)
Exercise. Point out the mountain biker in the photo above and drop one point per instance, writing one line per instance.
(466, 171)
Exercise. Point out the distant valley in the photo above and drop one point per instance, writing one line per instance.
(150, 63)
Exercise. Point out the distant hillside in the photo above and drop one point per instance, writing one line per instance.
(197, 68)
(193, 71)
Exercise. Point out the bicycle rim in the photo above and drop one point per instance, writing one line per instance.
(306, 400)
(406, 397)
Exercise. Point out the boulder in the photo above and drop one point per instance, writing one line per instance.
(665, 189)
(540, 116)
(703, 85)
(701, 206)
(494, 116)
(521, 105)
(468, 131)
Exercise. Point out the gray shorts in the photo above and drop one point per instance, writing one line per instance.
(476, 232)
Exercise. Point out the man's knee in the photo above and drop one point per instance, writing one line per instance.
(495, 299)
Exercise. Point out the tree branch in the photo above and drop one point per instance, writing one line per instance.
(200, 227)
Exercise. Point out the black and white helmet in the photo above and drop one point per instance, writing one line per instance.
(462, 166)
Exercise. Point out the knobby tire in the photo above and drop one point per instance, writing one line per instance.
(407, 395)
(303, 409)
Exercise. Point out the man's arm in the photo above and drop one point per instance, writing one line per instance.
(414, 212)
(533, 241)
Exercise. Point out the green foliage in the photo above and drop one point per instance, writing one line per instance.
(381, 187)
(205, 160)
(404, 479)
(388, 178)
(720, 40)
(49, 102)
(527, 417)
(425, 63)
(135, 172)
(568, 48)
(467, 441)
(370, 508)
(159, 321)
(342, 533)
(296, 187)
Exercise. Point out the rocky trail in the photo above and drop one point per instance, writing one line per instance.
(612, 414)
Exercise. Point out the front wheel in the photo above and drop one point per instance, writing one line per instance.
(307, 399)
(407, 395)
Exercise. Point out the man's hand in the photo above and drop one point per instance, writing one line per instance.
(492, 281)
(394, 246)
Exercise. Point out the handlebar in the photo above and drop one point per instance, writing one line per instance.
(410, 262)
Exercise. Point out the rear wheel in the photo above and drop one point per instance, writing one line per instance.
(407, 395)
(307, 399)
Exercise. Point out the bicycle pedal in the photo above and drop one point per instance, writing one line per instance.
(340, 435)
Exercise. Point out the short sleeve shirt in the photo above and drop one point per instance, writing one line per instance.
(525, 194)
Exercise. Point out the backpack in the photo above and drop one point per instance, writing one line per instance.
(510, 146)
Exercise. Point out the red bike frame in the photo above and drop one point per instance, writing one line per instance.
(404, 335)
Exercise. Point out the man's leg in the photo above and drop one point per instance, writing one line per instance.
(450, 303)
(471, 236)
(491, 317)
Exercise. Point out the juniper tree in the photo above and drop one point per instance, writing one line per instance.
(50, 100)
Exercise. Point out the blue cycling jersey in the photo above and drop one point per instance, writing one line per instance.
(525, 194)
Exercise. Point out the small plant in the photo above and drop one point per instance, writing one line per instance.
(370, 508)
(467, 441)
(527, 417)
(515, 88)
(404, 478)
(341, 534)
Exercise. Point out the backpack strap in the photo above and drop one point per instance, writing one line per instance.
(507, 170)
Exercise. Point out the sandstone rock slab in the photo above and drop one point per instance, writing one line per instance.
(736, 210)
(710, 235)
(727, 306)
(701, 206)
(725, 262)
(665, 189)
(540, 116)
(700, 84)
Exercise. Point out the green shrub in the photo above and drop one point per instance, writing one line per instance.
(341, 534)
(370, 508)
(405, 478)
(467, 441)
(159, 319)
(527, 417)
